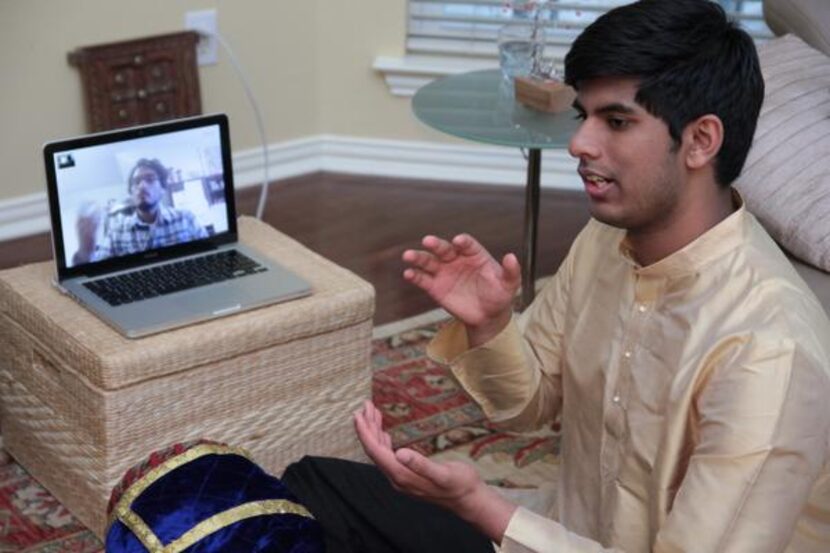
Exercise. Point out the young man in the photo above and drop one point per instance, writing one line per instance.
(689, 363)
(148, 224)
(687, 360)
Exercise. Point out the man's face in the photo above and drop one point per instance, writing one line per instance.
(146, 188)
(632, 174)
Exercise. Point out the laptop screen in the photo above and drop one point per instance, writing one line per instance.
(129, 195)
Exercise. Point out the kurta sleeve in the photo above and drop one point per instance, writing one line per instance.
(516, 377)
(529, 532)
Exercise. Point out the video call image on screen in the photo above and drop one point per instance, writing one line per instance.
(146, 193)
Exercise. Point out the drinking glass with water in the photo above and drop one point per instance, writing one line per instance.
(519, 46)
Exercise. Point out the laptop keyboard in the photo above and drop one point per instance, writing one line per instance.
(174, 277)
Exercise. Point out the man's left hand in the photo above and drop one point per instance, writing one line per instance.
(453, 485)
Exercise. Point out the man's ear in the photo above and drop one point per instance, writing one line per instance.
(703, 138)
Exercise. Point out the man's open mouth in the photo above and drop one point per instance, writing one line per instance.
(596, 184)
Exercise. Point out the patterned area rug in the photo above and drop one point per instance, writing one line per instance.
(32, 520)
(423, 406)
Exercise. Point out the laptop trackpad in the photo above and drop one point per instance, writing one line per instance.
(217, 299)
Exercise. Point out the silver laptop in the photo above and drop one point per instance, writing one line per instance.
(144, 227)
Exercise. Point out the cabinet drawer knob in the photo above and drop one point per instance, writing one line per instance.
(142, 93)
(138, 59)
(122, 114)
(160, 107)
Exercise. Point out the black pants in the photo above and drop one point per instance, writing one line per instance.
(360, 512)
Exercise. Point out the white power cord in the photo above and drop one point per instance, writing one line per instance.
(263, 194)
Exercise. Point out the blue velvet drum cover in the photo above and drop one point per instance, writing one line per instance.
(207, 497)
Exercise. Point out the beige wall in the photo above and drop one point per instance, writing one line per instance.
(353, 99)
(308, 61)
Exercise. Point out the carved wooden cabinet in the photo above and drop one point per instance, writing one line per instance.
(139, 81)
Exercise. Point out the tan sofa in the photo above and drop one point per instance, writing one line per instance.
(786, 179)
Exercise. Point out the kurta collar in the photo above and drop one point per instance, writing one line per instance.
(709, 246)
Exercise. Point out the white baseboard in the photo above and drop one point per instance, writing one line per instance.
(446, 162)
(461, 163)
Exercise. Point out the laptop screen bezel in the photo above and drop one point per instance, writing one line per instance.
(142, 258)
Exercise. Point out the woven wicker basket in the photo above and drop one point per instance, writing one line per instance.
(81, 404)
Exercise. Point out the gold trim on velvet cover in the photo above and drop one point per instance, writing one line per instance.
(137, 487)
(210, 525)
(145, 534)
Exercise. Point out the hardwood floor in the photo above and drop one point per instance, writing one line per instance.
(365, 223)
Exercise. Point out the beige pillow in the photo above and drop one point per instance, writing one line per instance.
(808, 19)
(786, 179)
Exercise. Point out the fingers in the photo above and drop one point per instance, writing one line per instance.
(440, 251)
(369, 425)
(421, 260)
(443, 251)
(425, 264)
(467, 245)
(90, 209)
(373, 416)
(440, 248)
(512, 270)
(418, 278)
(378, 446)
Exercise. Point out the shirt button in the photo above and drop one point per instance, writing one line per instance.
(627, 354)
(642, 308)
(616, 398)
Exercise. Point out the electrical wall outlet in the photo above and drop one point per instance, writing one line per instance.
(204, 21)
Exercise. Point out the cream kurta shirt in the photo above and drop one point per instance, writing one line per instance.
(694, 395)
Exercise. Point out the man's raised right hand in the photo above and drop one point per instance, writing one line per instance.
(89, 219)
(463, 278)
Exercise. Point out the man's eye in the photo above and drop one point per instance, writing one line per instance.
(617, 123)
(579, 117)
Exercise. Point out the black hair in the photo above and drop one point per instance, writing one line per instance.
(152, 164)
(690, 60)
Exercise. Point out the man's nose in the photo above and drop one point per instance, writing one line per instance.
(584, 142)
(145, 182)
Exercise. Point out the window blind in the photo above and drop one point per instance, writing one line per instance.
(468, 28)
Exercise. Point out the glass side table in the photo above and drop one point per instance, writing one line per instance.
(480, 106)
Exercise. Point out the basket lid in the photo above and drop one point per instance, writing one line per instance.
(82, 343)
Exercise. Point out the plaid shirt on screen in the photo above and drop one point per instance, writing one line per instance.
(129, 234)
